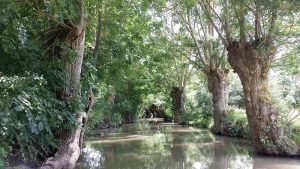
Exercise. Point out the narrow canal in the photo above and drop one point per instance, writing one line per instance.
(166, 146)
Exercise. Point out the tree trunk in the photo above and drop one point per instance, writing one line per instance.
(218, 86)
(71, 143)
(251, 61)
(177, 96)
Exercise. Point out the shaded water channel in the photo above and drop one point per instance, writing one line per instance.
(165, 146)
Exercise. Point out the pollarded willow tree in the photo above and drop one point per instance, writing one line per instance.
(177, 78)
(57, 29)
(177, 94)
(174, 73)
(173, 76)
(176, 68)
(209, 57)
(67, 38)
(248, 29)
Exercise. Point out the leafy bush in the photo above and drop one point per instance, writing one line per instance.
(201, 112)
(103, 114)
(237, 123)
(32, 116)
(205, 122)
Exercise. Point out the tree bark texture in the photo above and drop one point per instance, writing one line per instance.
(177, 95)
(218, 87)
(251, 61)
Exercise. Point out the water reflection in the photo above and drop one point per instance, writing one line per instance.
(93, 157)
(173, 147)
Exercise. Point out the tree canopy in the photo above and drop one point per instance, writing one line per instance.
(70, 66)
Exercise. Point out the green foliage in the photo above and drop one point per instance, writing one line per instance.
(122, 78)
(4, 150)
(295, 132)
(285, 94)
(201, 112)
(236, 95)
(237, 124)
(140, 58)
(205, 103)
(31, 116)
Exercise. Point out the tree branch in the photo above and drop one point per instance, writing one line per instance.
(224, 40)
(191, 31)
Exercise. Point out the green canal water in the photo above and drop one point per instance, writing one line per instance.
(166, 146)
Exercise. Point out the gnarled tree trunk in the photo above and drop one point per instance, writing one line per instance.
(71, 143)
(218, 86)
(177, 96)
(251, 61)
